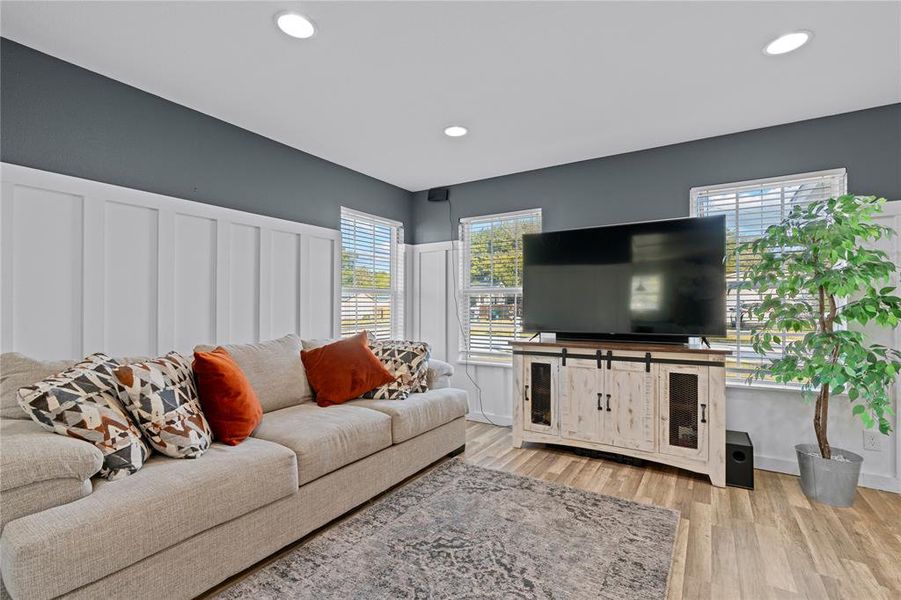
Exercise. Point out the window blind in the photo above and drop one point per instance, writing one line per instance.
(372, 261)
(491, 282)
(750, 207)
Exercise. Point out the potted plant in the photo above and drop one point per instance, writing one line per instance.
(818, 276)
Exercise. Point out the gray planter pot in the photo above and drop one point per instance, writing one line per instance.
(831, 482)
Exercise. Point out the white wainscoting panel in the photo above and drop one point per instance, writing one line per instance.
(430, 305)
(284, 282)
(321, 289)
(89, 267)
(195, 279)
(132, 285)
(43, 273)
(244, 283)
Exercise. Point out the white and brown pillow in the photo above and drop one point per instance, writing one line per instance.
(162, 399)
(408, 362)
(84, 402)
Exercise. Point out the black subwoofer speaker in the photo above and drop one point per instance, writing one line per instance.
(739, 460)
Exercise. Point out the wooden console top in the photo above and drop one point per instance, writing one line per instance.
(632, 346)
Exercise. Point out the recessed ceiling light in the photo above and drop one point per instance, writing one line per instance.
(455, 131)
(295, 25)
(788, 42)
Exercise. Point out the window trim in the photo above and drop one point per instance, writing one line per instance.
(464, 289)
(397, 270)
(694, 192)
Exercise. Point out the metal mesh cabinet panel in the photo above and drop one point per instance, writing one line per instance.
(683, 410)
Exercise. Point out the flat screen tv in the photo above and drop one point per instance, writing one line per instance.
(659, 280)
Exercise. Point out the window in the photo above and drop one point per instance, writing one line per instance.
(491, 282)
(750, 207)
(372, 262)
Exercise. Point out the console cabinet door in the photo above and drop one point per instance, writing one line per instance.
(630, 419)
(539, 394)
(582, 401)
(684, 410)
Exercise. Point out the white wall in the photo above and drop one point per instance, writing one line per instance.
(88, 267)
(776, 419)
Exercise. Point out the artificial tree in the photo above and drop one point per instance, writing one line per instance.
(816, 272)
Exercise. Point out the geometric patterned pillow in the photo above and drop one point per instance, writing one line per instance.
(408, 362)
(84, 402)
(162, 399)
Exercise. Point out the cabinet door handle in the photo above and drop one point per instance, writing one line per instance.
(703, 413)
(608, 402)
(525, 393)
(599, 402)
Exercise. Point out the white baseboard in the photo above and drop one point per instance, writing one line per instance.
(790, 467)
(490, 418)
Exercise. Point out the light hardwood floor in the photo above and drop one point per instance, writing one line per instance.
(732, 543)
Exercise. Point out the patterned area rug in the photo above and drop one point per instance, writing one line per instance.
(463, 531)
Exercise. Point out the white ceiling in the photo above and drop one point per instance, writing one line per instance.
(538, 83)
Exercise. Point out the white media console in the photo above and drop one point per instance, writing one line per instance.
(663, 403)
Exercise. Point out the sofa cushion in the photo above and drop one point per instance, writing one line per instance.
(30, 454)
(85, 402)
(419, 413)
(39, 496)
(18, 370)
(39, 470)
(122, 522)
(162, 399)
(274, 370)
(326, 438)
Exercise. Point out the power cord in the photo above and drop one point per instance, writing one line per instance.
(450, 219)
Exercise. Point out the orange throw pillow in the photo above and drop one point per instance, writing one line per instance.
(229, 403)
(343, 370)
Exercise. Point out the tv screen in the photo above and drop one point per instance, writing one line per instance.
(657, 278)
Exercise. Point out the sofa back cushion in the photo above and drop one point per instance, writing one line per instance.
(274, 370)
(18, 370)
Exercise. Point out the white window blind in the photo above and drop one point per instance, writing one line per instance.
(372, 263)
(491, 282)
(750, 207)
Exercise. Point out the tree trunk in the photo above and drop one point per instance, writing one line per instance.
(821, 412)
(820, 420)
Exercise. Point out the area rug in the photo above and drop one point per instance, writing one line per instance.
(463, 531)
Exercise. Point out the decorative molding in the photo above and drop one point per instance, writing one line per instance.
(88, 266)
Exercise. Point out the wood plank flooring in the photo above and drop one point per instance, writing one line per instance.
(731, 543)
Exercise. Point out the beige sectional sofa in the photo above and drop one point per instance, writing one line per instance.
(178, 527)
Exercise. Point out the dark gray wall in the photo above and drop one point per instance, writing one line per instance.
(655, 184)
(59, 117)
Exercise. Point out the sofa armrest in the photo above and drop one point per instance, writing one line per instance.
(40, 469)
(440, 374)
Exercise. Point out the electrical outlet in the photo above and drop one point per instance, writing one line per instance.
(872, 441)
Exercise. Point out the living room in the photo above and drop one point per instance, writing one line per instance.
(450, 299)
